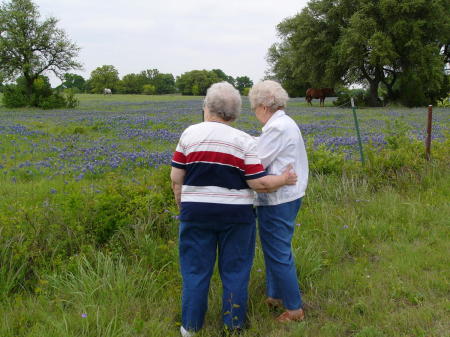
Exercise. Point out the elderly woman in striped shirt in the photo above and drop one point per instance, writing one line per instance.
(279, 145)
(214, 169)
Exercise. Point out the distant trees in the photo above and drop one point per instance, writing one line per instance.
(163, 83)
(196, 82)
(103, 77)
(398, 45)
(74, 81)
(243, 82)
(133, 83)
(224, 77)
(30, 47)
(152, 82)
(149, 82)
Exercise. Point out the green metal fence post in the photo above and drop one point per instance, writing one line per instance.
(357, 131)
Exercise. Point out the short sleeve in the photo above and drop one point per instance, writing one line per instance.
(253, 169)
(179, 156)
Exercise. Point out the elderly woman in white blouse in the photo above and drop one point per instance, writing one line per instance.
(279, 145)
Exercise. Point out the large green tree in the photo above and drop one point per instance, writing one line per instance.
(30, 46)
(369, 42)
(103, 77)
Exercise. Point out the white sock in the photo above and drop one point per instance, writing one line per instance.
(185, 333)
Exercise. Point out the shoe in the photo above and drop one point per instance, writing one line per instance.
(291, 316)
(185, 333)
(273, 302)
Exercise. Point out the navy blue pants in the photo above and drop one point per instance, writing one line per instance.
(276, 228)
(199, 242)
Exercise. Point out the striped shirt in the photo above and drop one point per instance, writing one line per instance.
(218, 160)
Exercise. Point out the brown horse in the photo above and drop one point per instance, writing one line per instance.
(318, 93)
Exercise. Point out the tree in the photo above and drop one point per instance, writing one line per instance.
(364, 42)
(243, 82)
(74, 81)
(164, 84)
(196, 82)
(30, 47)
(224, 77)
(103, 77)
(133, 83)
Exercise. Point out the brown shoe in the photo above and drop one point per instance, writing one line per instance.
(291, 316)
(273, 302)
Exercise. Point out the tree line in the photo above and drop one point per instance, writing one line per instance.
(395, 49)
(31, 47)
(152, 82)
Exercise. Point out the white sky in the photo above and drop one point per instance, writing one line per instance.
(173, 36)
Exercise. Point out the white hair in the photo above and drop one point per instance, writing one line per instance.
(269, 94)
(224, 101)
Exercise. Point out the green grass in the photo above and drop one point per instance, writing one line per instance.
(370, 264)
(98, 257)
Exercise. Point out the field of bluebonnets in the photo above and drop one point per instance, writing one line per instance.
(88, 226)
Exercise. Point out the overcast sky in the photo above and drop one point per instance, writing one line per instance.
(173, 36)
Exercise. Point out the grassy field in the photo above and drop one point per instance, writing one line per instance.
(88, 226)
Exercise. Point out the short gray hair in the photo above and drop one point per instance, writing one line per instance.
(269, 94)
(224, 101)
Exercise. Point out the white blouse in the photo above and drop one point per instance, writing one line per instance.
(279, 145)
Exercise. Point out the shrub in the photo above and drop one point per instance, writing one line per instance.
(41, 90)
(149, 89)
(54, 101)
(14, 96)
(360, 97)
(324, 161)
(42, 95)
(71, 100)
(445, 102)
(245, 91)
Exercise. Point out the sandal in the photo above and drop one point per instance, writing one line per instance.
(291, 316)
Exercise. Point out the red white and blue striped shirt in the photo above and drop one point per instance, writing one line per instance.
(218, 160)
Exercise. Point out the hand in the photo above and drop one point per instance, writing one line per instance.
(289, 175)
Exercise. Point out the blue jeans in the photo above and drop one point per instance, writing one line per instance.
(198, 244)
(276, 227)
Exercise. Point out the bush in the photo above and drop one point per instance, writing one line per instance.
(41, 90)
(14, 96)
(245, 91)
(360, 97)
(445, 102)
(71, 100)
(149, 89)
(42, 96)
(324, 161)
(54, 101)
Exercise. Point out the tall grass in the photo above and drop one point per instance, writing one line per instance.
(98, 256)
(370, 263)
